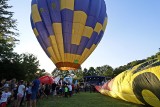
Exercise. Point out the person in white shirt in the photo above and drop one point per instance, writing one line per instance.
(5, 95)
(20, 93)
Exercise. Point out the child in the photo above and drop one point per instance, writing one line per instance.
(66, 91)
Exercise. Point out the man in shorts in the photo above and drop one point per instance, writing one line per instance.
(35, 87)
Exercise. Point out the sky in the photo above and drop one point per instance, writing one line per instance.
(132, 33)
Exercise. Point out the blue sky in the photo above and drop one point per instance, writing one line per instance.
(132, 33)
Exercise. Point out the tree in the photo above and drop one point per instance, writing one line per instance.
(79, 74)
(158, 55)
(7, 23)
(7, 31)
(22, 66)
(105, 70)
(91, 72)
(85, 71)
(30, 65)
(99, 71)
(151, 57)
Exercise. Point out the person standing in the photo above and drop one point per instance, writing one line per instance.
(70, 89)
(54, 89)
(35, 87)
(20, 93)
(28, 94)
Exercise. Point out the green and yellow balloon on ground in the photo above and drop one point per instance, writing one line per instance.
(140, 85)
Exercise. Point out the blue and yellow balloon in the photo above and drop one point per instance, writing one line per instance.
(68, 30)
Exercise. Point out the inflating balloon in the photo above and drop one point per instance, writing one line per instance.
(46, 80)
(68, 30)
(140, 85)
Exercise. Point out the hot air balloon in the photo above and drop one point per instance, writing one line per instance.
(68, 30)
(140, 84)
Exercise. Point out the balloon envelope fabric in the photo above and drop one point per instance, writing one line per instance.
(68, 30)
(140, 85)
(46, 79)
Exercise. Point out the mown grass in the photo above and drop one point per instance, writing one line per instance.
(84, 100)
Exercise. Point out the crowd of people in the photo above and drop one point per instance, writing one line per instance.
(64, 89)
(17, 93)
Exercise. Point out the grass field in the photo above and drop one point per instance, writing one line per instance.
(84, 100)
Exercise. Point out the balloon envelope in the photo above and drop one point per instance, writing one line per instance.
(68, 30)
(140, 84)
(46, 79)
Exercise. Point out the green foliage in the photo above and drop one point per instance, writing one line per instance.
(7, 31)
(85, 72)
(105, 70)
(91, 72)
(22, 66)
(151, 57)
(78, 74)
(7, 23)
(158, 55)
(56, 72)
(30, 65)
(120, 69)
(13, 65)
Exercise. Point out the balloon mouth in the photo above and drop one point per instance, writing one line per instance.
(67, 66)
